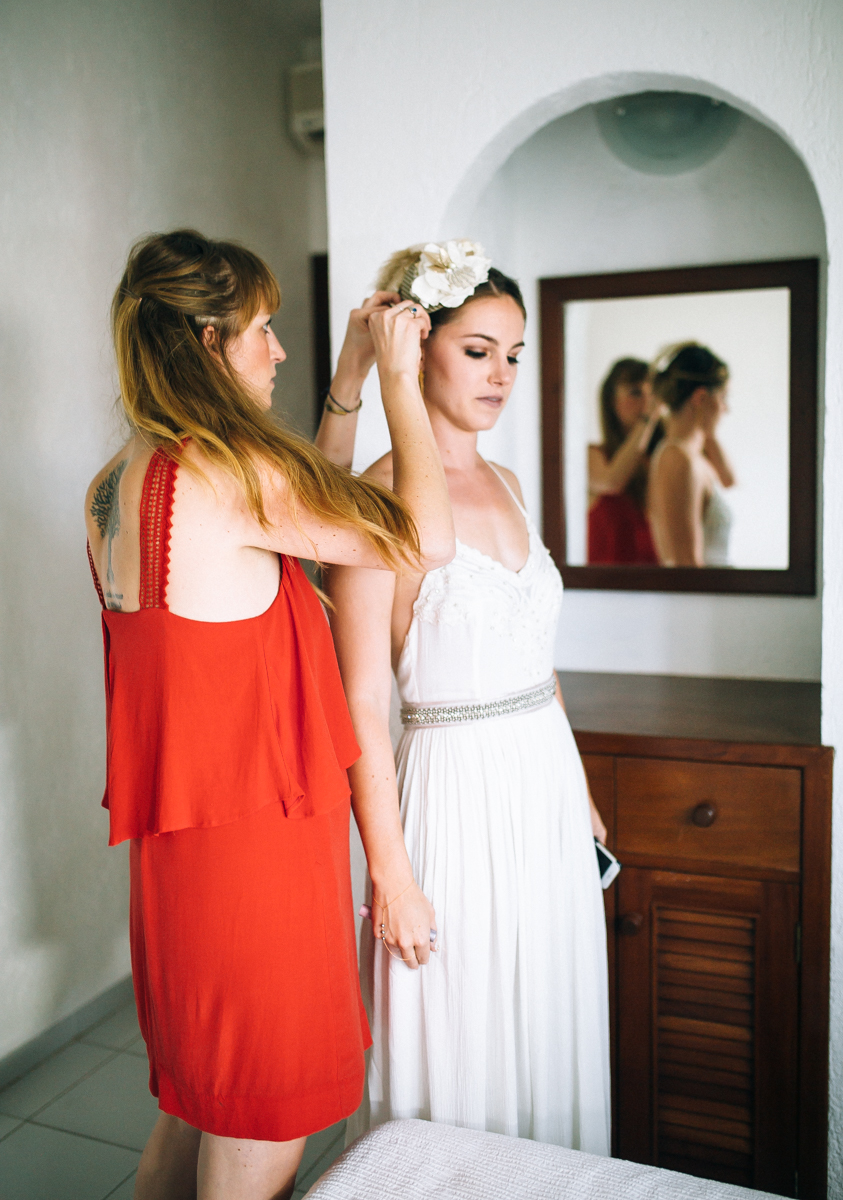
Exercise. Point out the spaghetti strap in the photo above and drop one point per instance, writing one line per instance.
(521, 507)
(156, 514)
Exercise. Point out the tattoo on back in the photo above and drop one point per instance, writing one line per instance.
(105, 509)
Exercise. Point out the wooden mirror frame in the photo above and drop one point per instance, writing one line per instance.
(801, 276)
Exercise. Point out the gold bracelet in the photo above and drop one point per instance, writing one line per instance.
(333, 405)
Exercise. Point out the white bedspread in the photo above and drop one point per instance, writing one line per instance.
(411, 1160)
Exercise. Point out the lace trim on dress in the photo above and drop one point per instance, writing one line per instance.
(156, 514)
(94, 574)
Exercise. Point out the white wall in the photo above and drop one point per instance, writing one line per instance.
(471, 82)
(116, 118)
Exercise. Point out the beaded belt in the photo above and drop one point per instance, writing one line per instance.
(445, 713)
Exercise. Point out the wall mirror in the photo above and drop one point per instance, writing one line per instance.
(715, 489)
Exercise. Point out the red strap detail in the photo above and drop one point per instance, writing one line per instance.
(94, 573)
(156, 514)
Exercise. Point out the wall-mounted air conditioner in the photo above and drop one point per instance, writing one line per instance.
(305, 107)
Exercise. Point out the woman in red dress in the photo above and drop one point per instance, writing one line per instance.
(228, 736)
(618, 529)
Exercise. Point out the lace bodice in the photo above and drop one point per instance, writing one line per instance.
(480, 631)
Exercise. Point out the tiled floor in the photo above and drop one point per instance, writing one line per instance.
(74, 1127)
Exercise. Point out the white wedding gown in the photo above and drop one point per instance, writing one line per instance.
(507, 1028)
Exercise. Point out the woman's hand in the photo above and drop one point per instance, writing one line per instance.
(337, 429)
(597, 826)
(408, 921)
(357, 356)
(398, 334)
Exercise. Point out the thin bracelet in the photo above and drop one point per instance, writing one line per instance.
(339, 409)
(399, 958)
(400, 894)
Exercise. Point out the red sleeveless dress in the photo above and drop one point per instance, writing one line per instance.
(227, 749)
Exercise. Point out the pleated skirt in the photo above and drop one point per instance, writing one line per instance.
(507, 1029)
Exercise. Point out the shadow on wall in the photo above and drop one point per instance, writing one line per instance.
(65, 895)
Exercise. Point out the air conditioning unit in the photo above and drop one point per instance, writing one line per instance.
(306, 110)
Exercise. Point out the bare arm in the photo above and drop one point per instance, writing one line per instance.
(677, 496)
(362, 643)
(609, 477)
(419, 477)
(719, 459)
(418, 474)
(337, 430)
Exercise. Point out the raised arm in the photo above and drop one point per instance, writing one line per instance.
(338, 427)
(360, 624)
(719, 459)
(610, 476)
(418, 474)
(419, 477)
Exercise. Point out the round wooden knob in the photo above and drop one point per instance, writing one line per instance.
(631, 923)
(704, 815)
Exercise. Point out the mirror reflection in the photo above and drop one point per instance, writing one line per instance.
(677, 429)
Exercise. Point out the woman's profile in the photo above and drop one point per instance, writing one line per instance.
(689, 515)
(618, 529)
(479, 834)
(228, 735)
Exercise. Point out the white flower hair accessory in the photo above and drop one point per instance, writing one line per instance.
(446, 274)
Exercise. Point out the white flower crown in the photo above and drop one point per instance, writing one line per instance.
(446, 274)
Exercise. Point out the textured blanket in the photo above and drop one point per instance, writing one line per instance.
(411, 1160)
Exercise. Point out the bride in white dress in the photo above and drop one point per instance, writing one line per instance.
(504, 1027)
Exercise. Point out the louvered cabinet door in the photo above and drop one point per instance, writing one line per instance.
(707, 1029)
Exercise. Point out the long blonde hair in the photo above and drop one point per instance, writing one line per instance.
(173, 388)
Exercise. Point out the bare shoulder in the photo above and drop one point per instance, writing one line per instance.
(511, 478)
(676, 471)
(674, 460)
(381, 471)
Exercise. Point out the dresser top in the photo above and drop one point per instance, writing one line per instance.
(682, 706)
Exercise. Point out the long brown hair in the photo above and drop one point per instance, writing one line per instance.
(625, 371)
(173, 388)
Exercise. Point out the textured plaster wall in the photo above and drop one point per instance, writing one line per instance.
(410, 159)
(116, 119)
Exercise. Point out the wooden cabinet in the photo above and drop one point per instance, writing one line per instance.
(718, 945)
(707, 1022)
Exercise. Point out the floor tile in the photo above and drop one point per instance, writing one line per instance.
(320, 1151)
(44, 1164)
(113, 1104)
(7, 1124)
(50, 1079)
(117, 1031)
(125, 1191)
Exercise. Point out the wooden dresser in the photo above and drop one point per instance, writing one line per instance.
(717, 797)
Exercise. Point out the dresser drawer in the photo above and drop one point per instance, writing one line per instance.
(712, 813)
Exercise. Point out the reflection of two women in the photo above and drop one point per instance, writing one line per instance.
(618, 529)
(657, 477)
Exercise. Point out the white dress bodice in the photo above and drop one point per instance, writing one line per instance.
(480, 631)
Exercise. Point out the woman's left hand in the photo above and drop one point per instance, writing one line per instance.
(597, 826)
